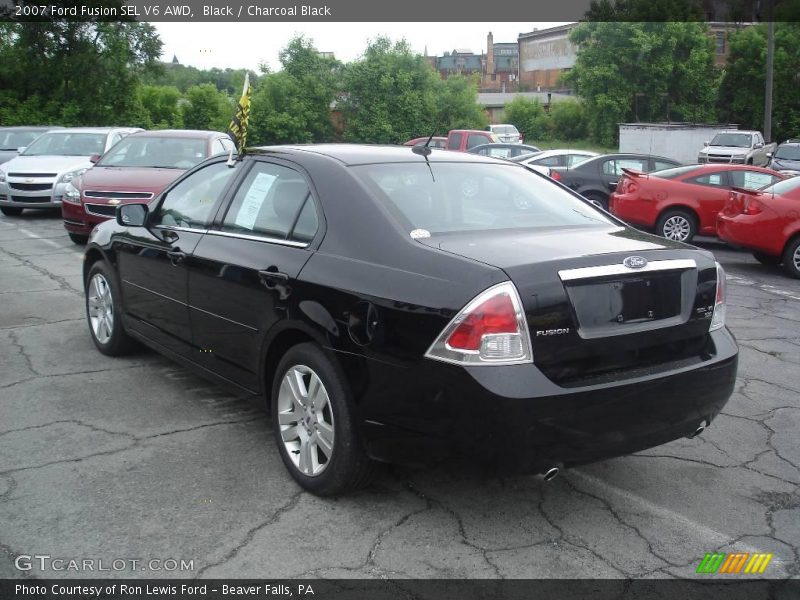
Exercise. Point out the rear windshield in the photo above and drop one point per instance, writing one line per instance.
(788, 152)
(675, 172)
(504, 129)
(456, 197)
(153, 151)
(783, 187)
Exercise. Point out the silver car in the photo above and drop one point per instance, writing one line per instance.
(14, 138)
(507, 133)
(37, 177)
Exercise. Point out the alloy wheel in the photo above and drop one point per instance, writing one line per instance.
(677, 228)
(101, 308)
(796, 258)
(306, 420)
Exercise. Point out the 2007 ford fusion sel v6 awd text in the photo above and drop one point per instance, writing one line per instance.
(416, 306)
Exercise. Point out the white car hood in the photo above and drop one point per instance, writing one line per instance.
(726, 150)
(46, 164)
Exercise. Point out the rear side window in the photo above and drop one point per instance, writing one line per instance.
(712, 179)
(454, 197)
(454, 142)
(270, 202)
(615, 166)
(549, 161)
(752, 180)
(660, 165)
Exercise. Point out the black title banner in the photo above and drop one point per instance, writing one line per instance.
(373, 11)
(407, 589)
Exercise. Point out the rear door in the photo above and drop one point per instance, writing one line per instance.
(244, 269)
(153, 262)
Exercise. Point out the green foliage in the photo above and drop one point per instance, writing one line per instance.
(569, 120)
(161, 104)
(529, 116)
(74, 73)
(741, 95)
(456, 106)
(205, 107)
(294, 105)
(390, 95)
(643, 71)
(645, 10)
(183, 77)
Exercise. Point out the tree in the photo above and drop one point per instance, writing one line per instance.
(741, 95)
(294, 105)
(643, 71)
(74, 73)
(161, 103)
(205, 107)
(528, 115)
(569, 120)
(390, 95)
(457, 106)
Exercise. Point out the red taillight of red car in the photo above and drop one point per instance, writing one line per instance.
(752, 206)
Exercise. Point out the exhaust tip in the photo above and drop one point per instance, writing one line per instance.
(550, 474)
(700, 429)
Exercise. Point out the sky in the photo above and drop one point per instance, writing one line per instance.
(246, 45)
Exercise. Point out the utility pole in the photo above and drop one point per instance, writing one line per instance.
(770, 60)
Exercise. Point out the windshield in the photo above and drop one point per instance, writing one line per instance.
(788, 152)
(504, 129)
(456, 197)
(11, 140)
(158, 152)
(67, 144)
(783, 187)
(736, 140)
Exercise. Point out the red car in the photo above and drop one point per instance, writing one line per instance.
(134, 170)
(682, 202)
(767, 222)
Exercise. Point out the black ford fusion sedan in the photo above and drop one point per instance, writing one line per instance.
(406, 307)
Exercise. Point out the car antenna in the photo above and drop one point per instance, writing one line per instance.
(426, 149)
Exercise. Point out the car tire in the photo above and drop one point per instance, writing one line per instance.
(11, 211)
(677, 225)
(79, 239)
(767, 259)
(314, 422)
(103, 313)
(597, 199)
(791, 257)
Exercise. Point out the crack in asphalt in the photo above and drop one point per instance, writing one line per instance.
(135, 442)
(22, 352)
(251, 533)
(62, 283)
(72, 374)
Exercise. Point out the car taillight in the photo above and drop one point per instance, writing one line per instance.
(555, 175)
(490, 330)
(751, 206)
(718, 318)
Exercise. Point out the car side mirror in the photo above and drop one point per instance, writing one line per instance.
(132, 215)
(705, 143)
(759, 145)
(94, 158)
(769, 154)
(22, 149)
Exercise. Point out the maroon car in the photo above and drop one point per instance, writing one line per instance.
(134, 170)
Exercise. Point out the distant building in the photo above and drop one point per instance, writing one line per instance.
(544, 55)
(498, 67)
(175, 59)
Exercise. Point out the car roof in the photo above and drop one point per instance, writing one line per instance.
(359, 154)
(178, 133)
(502, 145)
(31, 127)
(97, 129)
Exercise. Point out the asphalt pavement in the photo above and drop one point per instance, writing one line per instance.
(137, 459)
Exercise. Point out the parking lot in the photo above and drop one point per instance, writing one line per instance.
(137, 458)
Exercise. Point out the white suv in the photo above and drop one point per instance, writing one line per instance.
(507, 133)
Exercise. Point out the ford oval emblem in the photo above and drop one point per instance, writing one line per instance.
(635, 262)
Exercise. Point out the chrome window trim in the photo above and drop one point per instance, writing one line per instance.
(174, 228)
(258, 238)
(620, 269)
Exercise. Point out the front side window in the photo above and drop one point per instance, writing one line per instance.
(191, 202)
(273, 201)
(456, 197)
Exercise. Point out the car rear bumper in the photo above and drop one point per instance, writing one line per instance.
(514, 420)
(742, 231)
(633, 210)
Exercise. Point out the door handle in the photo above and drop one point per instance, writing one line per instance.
(176, 256)
(272, 278)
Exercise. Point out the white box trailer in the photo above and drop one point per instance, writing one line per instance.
(678, 141)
